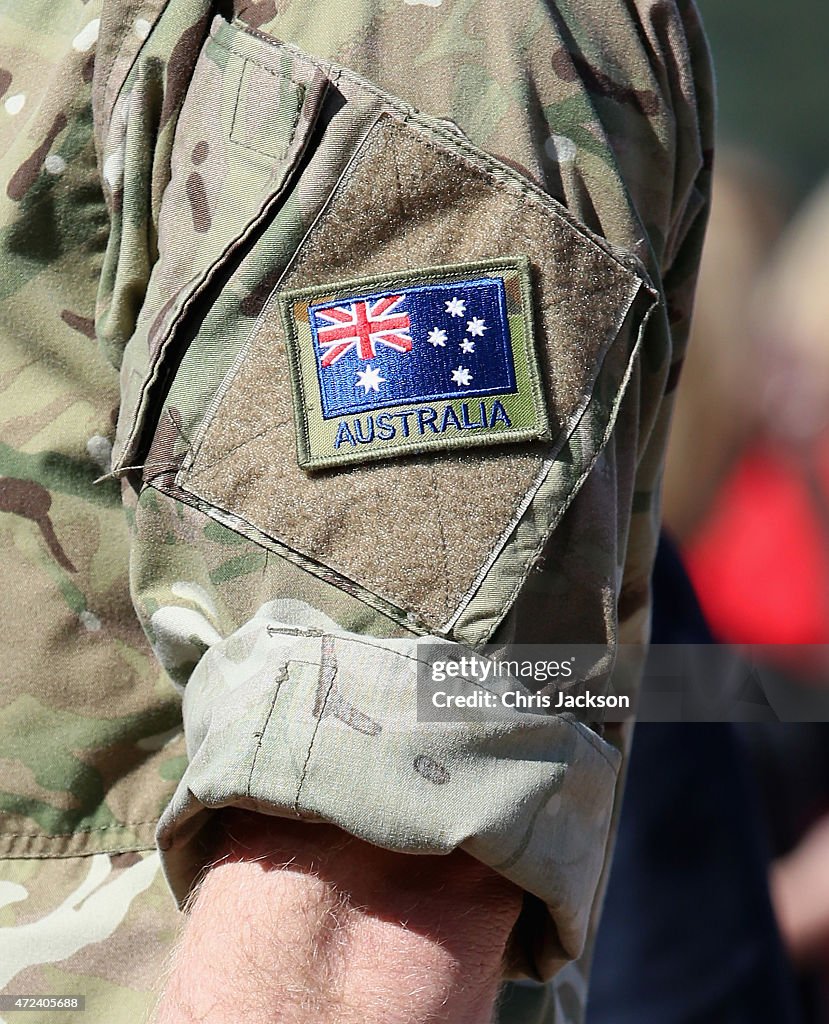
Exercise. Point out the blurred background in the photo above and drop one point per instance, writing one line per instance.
(747, 484)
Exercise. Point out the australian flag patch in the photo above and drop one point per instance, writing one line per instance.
(413, 345)
(424, 360)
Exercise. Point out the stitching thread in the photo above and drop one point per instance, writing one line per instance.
(77, 832)
(281, 676)
(328, 668)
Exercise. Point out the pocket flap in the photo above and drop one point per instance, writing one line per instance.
(244, 125)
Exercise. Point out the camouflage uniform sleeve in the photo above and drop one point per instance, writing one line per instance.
(316, 218)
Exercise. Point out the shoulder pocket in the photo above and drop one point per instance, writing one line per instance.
(401, 459)
(248, 116)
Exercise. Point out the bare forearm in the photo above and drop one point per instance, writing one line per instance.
(300, 923)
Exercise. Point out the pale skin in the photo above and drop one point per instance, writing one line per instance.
(800, 893)
(299, 923)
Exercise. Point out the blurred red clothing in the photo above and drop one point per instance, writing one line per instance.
(760, 562)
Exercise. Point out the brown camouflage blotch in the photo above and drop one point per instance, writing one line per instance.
(83, 324)
(32, 501)
(253, 302)
(200, 152)
(180, 68)
(26, 174)
(570, 66)
(88, 69)
(162, 457)
(199, 207)
(256, 12)
(157, 332)
(120, 861)
(5, 81)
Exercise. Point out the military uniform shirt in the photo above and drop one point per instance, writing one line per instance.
(325, 328)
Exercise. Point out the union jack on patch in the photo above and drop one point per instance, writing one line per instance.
(363, 325)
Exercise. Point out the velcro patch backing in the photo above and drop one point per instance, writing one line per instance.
(478, 516)
(418, 361)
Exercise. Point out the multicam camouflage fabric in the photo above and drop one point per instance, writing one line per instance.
(163, 169)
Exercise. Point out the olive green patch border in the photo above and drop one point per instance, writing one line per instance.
(526, 408)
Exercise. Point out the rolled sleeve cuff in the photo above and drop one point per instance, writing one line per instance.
(323, 725)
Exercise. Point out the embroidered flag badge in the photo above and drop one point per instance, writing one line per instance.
(424, 360)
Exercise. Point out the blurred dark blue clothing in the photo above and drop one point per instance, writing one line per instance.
(688, 934)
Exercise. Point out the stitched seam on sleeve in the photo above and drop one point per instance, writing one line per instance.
(281, 676)
(328, 674)
(75, 832)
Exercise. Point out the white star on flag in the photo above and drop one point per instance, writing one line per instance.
(467, 345)
(455, 307)
(370, 379)
(462, 376)
(476, 326)
(437, 336)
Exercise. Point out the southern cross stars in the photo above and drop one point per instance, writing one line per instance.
(475, 327)
(370, 379)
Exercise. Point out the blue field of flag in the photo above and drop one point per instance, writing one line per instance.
(412, 345)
